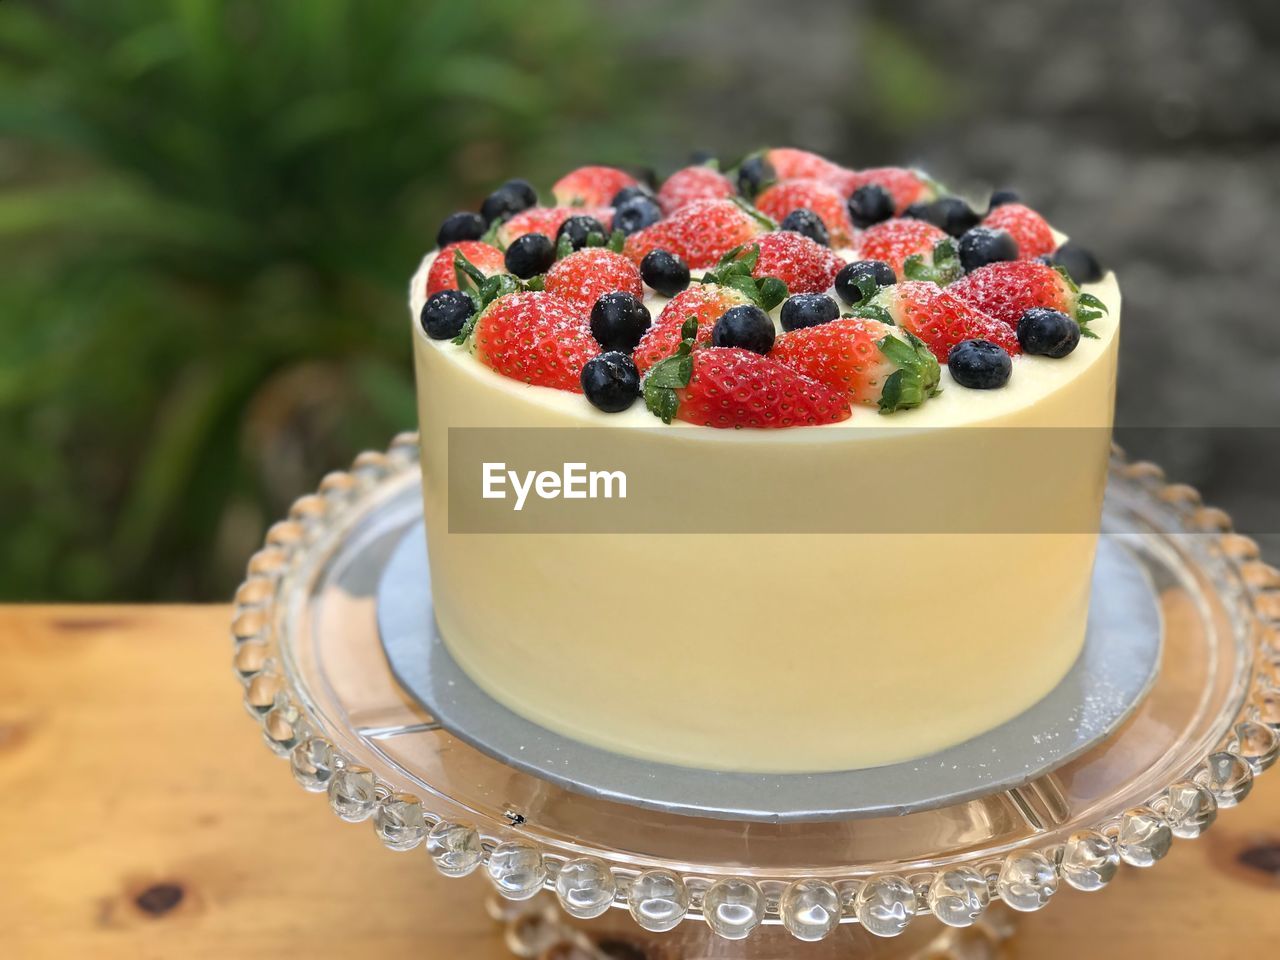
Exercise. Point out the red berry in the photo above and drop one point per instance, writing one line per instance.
(704, 302)
(802, 264)
(893, 241)
(590, 273)
(547, 220)
(700, 233)
(905, 186)
(1008, 289)
(591, 186)
(940, 319)
(538, 338)
(824, 200)
(693, 183)
(442, 275)
(730, 387)
(1031, 231)
(791, 164)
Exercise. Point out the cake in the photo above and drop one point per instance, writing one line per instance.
(786, 336)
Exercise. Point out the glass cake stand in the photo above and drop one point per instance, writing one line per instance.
(939, 882)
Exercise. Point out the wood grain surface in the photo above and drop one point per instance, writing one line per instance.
(141, 817)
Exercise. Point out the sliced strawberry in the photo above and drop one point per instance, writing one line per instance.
(547, 220)
(824, 200)
(590, 273)
(693, 183)
(1008, 289)
(872, 363)
(703, 302)
(905, 186)
(591, 186)
(536, 337)
(937, 317)
(486, 258)
(728, 387)
(897, 241)
(802, 264)
(1031, 231)
(700, 233)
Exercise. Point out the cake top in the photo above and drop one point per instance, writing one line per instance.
(788, 291)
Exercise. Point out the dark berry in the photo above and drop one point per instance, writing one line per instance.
(530, 254)
(747, 327)
(512, 197)
(618, 321)
(445, 312)
(699, 157)
(808, 310)
(460, 226)
(630, 193)
(870, 204)
(754, 174)
(611, 381)
(647, 176)
(1047, 333)
(979, 365)
(953, 215)
(851, 273)
(805, 222)
(982, 245)
(1077, 261)
(636, 214)
(1000, 197)
(664, 272)
(579, 228)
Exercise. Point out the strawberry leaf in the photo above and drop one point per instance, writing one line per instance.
(467, 273)
(868, 311)
(767, 222)
(667, 376)
(617, 240)
(916, 378)
(746, 285)
(772, 292)
(564, 246)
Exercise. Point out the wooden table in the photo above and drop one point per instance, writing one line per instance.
(141, 817)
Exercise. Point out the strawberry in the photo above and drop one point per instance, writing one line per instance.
(927, 250)
(1008, 289)
(591, 186)
(730, 387)
(443, 273)
(871, 362)
(536, 337)
(547, 220)
(937, 317)
(789, 163)
(905, 186)
(588, 274)
(700, 232)
(1029, 230)
(693, 183)
(704, 302)
(824, 200)
(803, 265)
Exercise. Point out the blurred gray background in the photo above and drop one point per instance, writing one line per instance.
(209, 208)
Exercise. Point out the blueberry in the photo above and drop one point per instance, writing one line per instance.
(747, 327)
(512, 197)
(947, 213)
(630, 193)
(530, 255)
(849, 275)
(983, 245)
(808, 310)
(999, 197)
(1079, 262)
(979, 365)
(870, 204)
(664, 272)
(611, 381)
(754, 174)
(636, 214)
(920, 210)
(618, 321)
(805, 222)
(1047, 333)
(579, 228)
(460, 226)
(445, 312)
(700, 157)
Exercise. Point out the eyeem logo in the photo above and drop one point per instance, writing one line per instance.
(573, 482)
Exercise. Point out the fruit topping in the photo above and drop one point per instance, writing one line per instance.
(619, 320)
(754, 175)
(983, 245)
(512, 197)
(805, 222)
(950, 214)
(664, 272)
(1001, 196)
(443, 274)
(693, 183)
(700, 232)
(610, 381)
(859, 281)
(590, 273)
(536, 337)
(808, 310)
(1079, 262)
(547, 220)
(745, 326)
(870, 204)
(1030, 231)
(937, 317)
(636, 214)
(460, 226)
(1009, 289)
(578, 232)
(1045, 332)
(591, 186)
(902, 241)
(804, 265)
(979, 365)
(780, 199)
(703, 303)
(445, 313)
(530, 255)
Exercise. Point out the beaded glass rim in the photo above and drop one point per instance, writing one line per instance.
(1024, 878)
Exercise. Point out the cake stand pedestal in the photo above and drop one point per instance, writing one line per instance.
(582, 875)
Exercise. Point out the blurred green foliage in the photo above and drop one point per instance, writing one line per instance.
(208, 210)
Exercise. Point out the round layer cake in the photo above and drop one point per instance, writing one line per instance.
(936, 378)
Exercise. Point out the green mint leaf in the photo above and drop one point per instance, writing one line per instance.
(772, 292)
